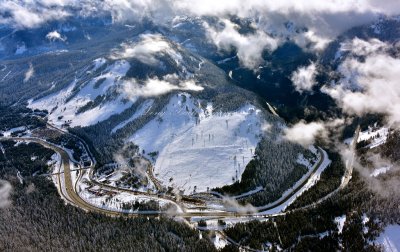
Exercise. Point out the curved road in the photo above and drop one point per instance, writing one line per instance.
(71, 195)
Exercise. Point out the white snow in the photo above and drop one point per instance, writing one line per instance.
(55, 162)
(303, 161)
(59, 105)
(226, 60)
(340, 220)
(230, 74)
(365, 220)
(379, 171)
(97, 63)
(20, 178)
(378, 136)
(21, 49)
(256, 190)
(219, 241)
(143, 109)
(13, 130)
(390, 238)
(206, 152)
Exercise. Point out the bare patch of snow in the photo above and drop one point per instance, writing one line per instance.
(13, 130)
(379, 171)
(64, 110)
(340, 220)
(20, 49)
(390, 238)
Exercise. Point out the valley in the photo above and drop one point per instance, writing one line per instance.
(198, 126)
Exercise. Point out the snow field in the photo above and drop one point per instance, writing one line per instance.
(200, 153)
(58, 104)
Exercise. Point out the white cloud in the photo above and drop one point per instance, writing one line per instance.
(154, 86)
(29, 73)
(305, 133)
(146, 50)
(369, 86)
(323, 20)
(304, 78)
(249, 47)
(359, 47)
(5, 191)
(30, 14)
(55, 35)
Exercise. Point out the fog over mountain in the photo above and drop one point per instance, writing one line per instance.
(186, 125)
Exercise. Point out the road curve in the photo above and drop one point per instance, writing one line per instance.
(72, 196)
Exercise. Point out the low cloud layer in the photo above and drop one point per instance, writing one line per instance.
(154, 86)
(304, 78)
(306, 133)
(5, 191)
(54, 36)
(146, 50)
(312, 24)
(369, 84)
(249, 47)
(29, 73)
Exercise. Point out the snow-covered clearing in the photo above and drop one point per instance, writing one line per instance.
(376, 136)
(380, 171)
(97, 63)
(13, 130)
(198, 148)
(64, 109)
(219, 241)
(114, 200)
(390, 238)
(340, 220)
(20, 49)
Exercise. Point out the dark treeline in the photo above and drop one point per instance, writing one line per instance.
(274, 168)
(38, 220)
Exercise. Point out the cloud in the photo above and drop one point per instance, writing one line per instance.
(29, 73)
(5, 191)
(314, 23)
(266, 127)
(304, 133)
(368, 85)
(231, 204)
(154, 86)
(31, 14)
(249, 47)
(146, 50)
(55, 35)
(304, 78)
(359, 47)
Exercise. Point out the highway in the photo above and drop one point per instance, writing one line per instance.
(69, 193)
(68, 189)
